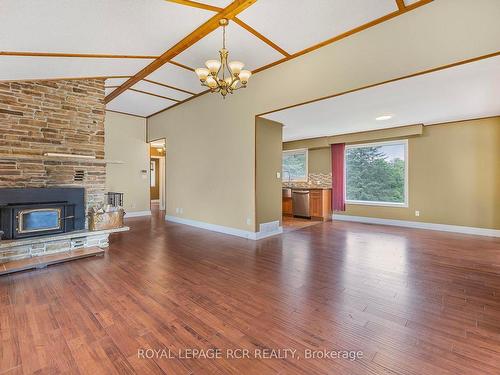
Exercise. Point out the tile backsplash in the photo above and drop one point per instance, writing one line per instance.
(316, 180)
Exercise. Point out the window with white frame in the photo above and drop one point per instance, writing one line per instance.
(295, 165)
(377, 173)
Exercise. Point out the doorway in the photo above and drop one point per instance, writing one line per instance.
(157, 155)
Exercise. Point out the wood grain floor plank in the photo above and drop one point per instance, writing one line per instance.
(413, 301)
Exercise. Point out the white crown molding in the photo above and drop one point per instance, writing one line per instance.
(420, 225)
(137, 213)
(223, 229)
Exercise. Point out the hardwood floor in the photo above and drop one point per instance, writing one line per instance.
(413, 301)
(290, 223)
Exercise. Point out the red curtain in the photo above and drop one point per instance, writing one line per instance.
(338, 195)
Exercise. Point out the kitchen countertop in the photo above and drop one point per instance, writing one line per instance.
(307, 188)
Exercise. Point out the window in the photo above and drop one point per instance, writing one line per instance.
(377, 173)
(295, 165)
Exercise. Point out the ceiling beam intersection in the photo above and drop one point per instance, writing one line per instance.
(401, 4)
(322, 44)
(212, 24)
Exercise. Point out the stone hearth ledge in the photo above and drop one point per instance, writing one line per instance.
(36, 246)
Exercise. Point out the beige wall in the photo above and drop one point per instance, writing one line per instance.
(319, 160)
(125, 140)
(454, 177)
(211, 141)
(268, 141)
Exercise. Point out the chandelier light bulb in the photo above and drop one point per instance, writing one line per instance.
(213, 65)
(202, 73)
(244, 76)
(211, 82)
(236, 66)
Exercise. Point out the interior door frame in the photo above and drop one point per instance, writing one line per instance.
(161, 180)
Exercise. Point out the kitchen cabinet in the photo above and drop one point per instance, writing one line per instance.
(287, 206)
(320, 203)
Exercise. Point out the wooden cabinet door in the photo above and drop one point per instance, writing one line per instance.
(287, 206)
(315, 203)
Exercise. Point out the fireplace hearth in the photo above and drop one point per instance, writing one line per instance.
(33, 212)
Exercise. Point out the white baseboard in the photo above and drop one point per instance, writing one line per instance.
(420, 225)
(223, 229)
(261, 235)
(137, 213)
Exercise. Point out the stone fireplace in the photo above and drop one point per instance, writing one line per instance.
(34, 212)
(39, 118)
(39, 122)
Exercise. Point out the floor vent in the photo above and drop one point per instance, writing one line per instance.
(271, 226)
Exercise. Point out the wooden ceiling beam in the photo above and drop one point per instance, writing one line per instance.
(153, 94)
(60, 78)
(168, 86)
(196, 4)
(181, 102)
(260, 36)
(346, 34)
(319, 45)
(159, 84)
(432, 70)
(79, 55)
(124, 113)
(229, 12)
(401, 4)
(181, 65)
(89, 56)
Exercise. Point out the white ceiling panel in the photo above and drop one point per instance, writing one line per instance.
(138, 104)
(21, 68)
(179, 77)
(161, 90)
(114, 81)
(242, 46)
(108, 91)
(409, 2)
(463, 92)
(95, 26)
(297, 24)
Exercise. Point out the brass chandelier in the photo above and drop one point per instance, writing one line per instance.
(221, 76)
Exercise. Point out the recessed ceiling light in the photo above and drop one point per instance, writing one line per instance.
(383, 118)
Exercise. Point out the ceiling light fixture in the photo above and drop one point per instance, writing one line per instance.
(221, 76)
(383, 118)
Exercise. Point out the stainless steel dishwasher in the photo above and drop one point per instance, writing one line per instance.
(300, 203)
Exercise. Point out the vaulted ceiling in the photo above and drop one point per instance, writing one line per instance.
(147, 49)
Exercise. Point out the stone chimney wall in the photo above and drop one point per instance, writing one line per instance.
(63, 116)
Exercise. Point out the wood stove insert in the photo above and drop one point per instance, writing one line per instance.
(36, 212)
